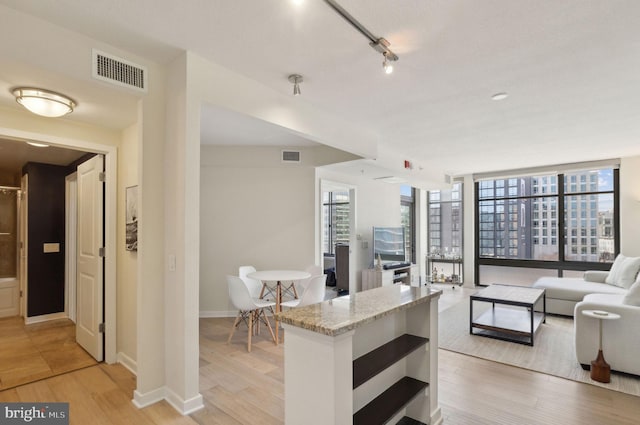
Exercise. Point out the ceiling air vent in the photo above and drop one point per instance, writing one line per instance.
(290, 156)
(119, 71)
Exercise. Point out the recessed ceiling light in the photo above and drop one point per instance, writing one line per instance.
(500, 96)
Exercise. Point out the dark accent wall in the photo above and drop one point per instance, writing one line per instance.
(46, 224)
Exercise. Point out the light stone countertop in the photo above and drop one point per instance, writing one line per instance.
(342, 314)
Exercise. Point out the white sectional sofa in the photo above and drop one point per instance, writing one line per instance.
(616, 291)
(564, 293)
(620, 338)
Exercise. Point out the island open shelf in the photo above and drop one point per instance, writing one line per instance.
(374, 362)
(369, 357)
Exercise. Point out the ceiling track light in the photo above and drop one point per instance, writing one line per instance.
(295, 79)
(386, 65)
(43, 102)
(379, 44)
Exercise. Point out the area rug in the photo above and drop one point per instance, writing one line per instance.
(553, 352)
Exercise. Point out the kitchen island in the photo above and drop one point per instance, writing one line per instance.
(365, 358)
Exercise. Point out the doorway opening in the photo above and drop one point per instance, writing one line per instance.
(65, 327)
(337, 239)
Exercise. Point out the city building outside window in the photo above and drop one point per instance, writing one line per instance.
(407, 217)
(336, 217)
(445, 217)
(563, 218)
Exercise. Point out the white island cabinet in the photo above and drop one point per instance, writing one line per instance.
(365, 358)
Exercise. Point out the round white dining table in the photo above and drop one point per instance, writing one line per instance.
(278, 276)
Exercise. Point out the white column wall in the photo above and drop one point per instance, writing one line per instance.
(630, 206)
(151, 241)
(126, 294)
(181, 250)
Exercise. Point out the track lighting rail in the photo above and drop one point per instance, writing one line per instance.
(379, 44)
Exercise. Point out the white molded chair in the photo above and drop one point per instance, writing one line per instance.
(248, 308)
(314, 293)
(313, 270)
(254, 286)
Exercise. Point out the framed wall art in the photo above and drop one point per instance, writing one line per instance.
(131, 218)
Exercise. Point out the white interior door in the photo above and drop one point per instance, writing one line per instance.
(70, 249)
(89, 281)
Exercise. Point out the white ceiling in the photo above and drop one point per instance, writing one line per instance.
(570, 68)
(15, 153)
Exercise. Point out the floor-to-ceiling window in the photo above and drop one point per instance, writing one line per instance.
(444, 260)
(408, 219)
(336, 220)
(552, 220)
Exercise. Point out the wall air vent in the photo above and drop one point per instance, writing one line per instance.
(118, 71)
(390, 179)
(290, 156)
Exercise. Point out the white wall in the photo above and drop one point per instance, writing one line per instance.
(254, 211)
(127, 260)
(630, 206)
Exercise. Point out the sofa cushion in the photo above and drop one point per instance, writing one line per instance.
(595, 276)
(604, 300)
(633, 294)
(623, 271)
(574, 288)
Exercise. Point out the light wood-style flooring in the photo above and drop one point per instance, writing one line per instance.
(37, 351)
(248, 388)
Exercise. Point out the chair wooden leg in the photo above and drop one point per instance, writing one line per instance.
(266, 319)
(235, 325)
(250, 331)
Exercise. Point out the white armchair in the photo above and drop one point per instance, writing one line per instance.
(620, 338)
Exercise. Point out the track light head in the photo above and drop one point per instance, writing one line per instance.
(386, 65)
(296, 79)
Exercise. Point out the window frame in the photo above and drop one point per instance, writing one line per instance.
(331, 204)
(410, 239)
(561, 264)
(435, 202)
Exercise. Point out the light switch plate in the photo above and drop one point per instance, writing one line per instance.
(51, 247)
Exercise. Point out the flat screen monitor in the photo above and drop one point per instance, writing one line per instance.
(388, 244)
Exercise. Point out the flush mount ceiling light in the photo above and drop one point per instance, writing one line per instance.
(379, 44)
(499, 96)
(295, 79)
(44, 102)
(38, 144)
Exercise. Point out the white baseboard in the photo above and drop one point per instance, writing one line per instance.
(185, 407)
(210, 314)
(45, 317)
(127, 362)
(143, 400)
(436, 417)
